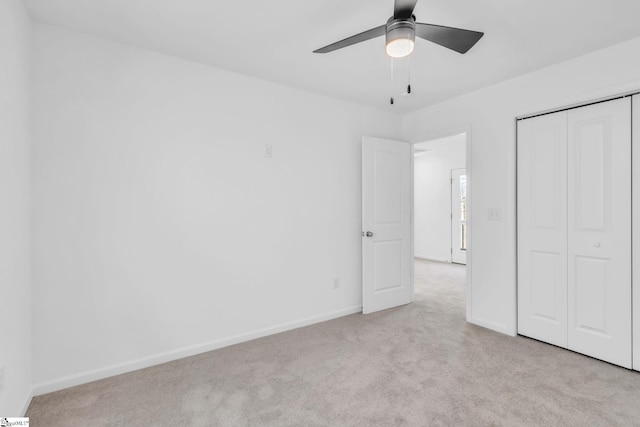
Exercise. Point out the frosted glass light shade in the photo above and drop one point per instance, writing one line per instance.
(399, 48)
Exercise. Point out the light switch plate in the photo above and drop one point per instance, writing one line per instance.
(495, 214)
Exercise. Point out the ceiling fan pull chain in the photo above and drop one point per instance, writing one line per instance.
(409, 76)
(392, 82)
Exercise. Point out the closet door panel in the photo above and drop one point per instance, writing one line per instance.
(636, 231)
(542, 228)
(599, 237)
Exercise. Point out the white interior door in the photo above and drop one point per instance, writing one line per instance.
(599, 238)
(386, 224)
(636, 232)
(459, 216)
(542, 228)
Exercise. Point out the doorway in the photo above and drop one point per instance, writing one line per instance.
(440, 199)
(440, 211)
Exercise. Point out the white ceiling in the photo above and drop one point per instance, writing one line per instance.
(274, 40)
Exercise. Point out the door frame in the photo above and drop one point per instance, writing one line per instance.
(457, 130)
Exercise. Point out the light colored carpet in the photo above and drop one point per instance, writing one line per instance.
(418, 365)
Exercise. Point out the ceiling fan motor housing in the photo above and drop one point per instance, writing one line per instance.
(401, 29)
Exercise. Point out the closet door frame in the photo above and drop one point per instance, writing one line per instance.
(635, 211)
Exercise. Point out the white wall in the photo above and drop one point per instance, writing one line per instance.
(490, 114)
(15, 235)
(160, 230)
(432, 195)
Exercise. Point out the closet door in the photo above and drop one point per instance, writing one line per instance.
(542, 228)
(599, 238)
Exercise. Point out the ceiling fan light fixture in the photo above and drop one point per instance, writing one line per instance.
(400, 48)
(401, 36)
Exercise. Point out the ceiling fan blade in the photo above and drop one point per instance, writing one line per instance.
(364, 36)
(403, 9)
(453, 38)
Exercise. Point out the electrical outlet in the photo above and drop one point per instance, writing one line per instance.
(336, 283)
(268, 151)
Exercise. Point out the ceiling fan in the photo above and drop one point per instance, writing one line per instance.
(401, 31)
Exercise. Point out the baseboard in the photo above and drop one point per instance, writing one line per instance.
(27, 402)
(430, 258)
(134, 365)
(493, 326)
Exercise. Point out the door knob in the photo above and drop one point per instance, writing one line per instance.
(369, 234)
(596, 244)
